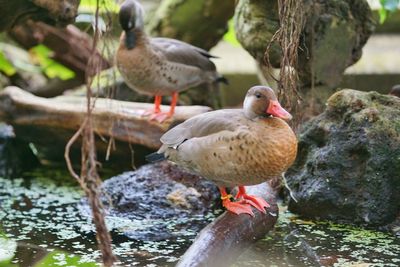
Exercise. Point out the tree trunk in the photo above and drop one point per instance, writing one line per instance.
(198, 22)
(332, 38)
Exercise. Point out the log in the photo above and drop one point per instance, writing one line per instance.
(60, 12)
(70, 46)
(222, 241)
(111, 118)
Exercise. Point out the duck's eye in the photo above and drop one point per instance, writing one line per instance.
(258, 95)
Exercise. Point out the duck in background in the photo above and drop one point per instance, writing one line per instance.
(159, 66)
(235, 147)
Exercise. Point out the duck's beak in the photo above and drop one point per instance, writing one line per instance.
(276, 110)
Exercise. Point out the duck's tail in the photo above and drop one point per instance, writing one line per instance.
(155, 157)
(222, 79)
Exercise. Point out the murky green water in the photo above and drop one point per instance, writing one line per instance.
(41, 226)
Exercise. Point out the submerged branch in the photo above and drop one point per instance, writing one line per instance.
(222, 241)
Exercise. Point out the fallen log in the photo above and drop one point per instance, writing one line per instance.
(221, 242)
(123, 121)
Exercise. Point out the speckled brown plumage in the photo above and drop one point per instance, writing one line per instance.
(159, 66)
(233, 146)
(150, 69)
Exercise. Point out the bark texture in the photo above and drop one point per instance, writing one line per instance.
(121, 120)
(16, 12)
(221, 242)
(198, 22)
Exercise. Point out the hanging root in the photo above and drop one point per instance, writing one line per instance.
(291, 18)
(288, 188)
(89, 178)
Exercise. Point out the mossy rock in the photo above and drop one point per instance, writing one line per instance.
(348, 165)
(332, 38)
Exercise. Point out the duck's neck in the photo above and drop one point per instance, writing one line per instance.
(248, 109)
(133, 38)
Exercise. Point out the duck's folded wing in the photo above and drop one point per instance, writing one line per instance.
(183, 53)
(203, 125)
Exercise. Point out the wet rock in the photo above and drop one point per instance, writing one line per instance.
(15, 155)
(159, 201)
(348, 165)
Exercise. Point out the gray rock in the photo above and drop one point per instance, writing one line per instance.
(158, 201)
(348, 165)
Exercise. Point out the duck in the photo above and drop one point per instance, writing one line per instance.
(160, 66)
(235, 147)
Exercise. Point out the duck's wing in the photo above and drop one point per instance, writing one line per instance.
(183, 53)
(202, 125)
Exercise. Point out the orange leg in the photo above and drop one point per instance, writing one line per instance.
(174, 100)
(157, 103)
(162, 116)
(257, 202)
(235, 207)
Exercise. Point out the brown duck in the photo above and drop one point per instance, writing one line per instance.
(235, 147)
(159, 66)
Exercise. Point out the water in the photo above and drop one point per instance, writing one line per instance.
(41, 226)
(41, 216)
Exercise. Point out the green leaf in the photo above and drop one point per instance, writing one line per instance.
(382, 15)
(6, 66)
(230, 36)
(50, 67)
(89, 6)
(386, 7)
(60, 259)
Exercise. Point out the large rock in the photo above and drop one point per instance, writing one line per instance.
(159, 201)
(348, 165)
(332, 38)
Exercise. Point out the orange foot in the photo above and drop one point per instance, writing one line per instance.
(257, 202)
(235, 207)
(160, 116)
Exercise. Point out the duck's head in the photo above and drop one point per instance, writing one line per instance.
(261, 101)
(131, 18)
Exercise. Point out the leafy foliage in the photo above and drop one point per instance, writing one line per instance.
(42, 55)
(230, 36)
(89, 6)
(6, 66)
(387, 7)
